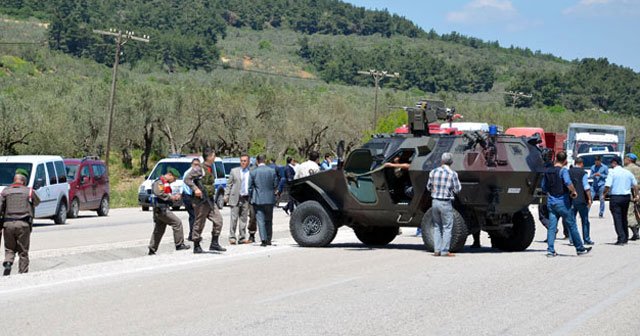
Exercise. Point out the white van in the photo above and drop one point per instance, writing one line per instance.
(182, 163)
(47, 176)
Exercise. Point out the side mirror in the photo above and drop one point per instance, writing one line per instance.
(38, 184)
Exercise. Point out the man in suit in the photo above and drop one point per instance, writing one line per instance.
(263, 182)
(289, 174)
(237, 196)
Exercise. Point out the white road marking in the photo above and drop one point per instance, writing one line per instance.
(583, 317)
(306, 290)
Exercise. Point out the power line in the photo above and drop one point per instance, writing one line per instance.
(121, 40)
(377, 77)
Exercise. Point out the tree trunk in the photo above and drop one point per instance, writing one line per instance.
(146, 150)
(127, 159)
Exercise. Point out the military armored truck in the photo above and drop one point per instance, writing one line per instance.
(499, 176)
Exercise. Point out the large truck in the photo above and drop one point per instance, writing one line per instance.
(590, 140)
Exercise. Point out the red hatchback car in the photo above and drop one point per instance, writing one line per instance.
(88, 186)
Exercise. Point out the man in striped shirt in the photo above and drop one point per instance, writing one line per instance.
(443, 185)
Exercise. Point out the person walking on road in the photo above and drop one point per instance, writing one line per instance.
(289, 174)
(263, 182)
(618, 185)
(162, 214)
(201, 181)
(556, 183)
(444, 185)
(582, 203)
(599, 174)
(634, 216)
(187, 197)
(237, 196)
(18, 203)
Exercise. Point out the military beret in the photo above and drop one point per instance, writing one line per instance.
(23, 172)
(173, 172)
(632, 156)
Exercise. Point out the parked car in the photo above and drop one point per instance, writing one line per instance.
(182, 163)
(88, 186)
(47, 176)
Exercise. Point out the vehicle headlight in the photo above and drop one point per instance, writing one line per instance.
(141, 190)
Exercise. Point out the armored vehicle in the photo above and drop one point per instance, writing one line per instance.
(499, 176)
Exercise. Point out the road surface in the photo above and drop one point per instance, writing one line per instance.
(92, 277)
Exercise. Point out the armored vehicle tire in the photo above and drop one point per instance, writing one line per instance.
(311, 225)
(518, 237)
(459, 232)
(376, 236)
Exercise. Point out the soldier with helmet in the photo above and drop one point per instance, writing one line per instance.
(162, 214)
(18, 203)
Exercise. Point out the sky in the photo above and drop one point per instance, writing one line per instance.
(571, 29)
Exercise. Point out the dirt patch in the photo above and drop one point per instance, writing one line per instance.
(247, 62)
(305, 74)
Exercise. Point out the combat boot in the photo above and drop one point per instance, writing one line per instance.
(182, 247)
(252, 237)
(215, 246)
(635, 236)
(7, 268)
(196, 248)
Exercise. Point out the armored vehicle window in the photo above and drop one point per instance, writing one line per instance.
(398, 178)
(361, 187)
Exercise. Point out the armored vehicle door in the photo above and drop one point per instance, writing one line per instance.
(360, 184)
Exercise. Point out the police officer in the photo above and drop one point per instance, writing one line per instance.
(162, 215)
(18, 203)
(198, 179)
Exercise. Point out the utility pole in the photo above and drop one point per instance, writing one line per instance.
(121, 39)
(517, 95)
(377, 77)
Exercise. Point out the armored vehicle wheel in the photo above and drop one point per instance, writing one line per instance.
(311, 225)
(459, 232)
(518, 237)
(376, 236)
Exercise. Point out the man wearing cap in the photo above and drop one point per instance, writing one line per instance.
(202, 182)
(618, 185)
(443, 184)
(18, 203)
(162, 215)
(599, 174)
(633, 217)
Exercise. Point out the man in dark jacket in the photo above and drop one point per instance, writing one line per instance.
(263, 182)
(289, 174)
(582, 202)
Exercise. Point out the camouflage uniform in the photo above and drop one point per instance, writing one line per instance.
(202, 207)
(18, 203)
(163, 216)
(633, 220)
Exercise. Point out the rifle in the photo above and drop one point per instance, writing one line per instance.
(205, 195)
(636, 205)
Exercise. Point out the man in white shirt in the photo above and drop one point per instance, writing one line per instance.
(308, 167)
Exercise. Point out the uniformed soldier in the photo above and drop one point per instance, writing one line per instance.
(18, 203)
(162, 215)
(633, 216)
(197, 180)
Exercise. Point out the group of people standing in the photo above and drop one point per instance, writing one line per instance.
(251, 194)
(569, 194)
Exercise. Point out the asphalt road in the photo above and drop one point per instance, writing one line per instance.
(92, 277)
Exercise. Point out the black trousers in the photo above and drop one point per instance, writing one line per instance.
(619, 206)
(187, 200)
